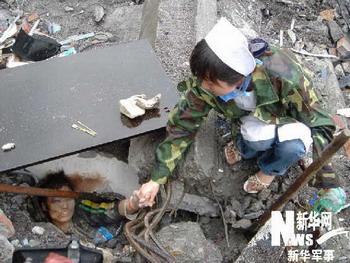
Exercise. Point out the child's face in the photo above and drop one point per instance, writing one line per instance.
(220, 88)
(61, 210)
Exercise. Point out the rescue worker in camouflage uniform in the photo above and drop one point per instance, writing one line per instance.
(271, 98)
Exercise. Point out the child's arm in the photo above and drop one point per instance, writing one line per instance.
(184, 122)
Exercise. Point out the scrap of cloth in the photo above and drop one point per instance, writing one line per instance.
(284, 95)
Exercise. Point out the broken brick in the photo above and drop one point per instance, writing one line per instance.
(33, 17)
(343, 46)
(327, 14)
(338, 121)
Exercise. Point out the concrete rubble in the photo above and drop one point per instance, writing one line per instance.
(187, 243)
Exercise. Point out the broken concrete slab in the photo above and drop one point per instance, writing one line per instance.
(259, 249)
(175, 37)
(193, 203)
(126, 22)
(206, 16)
(142, 152)
(199, 166)
(238, 13)
(115, 175)
(149, 21)
(187, 243)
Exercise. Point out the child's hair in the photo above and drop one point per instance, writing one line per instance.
(206, 65)
(56, 180)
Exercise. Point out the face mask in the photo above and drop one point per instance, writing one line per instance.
(241, 91)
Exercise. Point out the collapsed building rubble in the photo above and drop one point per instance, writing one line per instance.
(205, 162)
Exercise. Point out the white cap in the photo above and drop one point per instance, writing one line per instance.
(231, 46)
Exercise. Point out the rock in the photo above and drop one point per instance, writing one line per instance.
(38, 230)
(246, 202)
(187, 243)
(259, 249)
(25, 242)
(343, 46)
(103, 36)
(6, 250)
(253, 215)
(99, 13)
(264, 194)
(33, 243)
(238, 207)
(230, 215)
(335, 31)
(274, 187)
(142, 152)
(340, 74)
(16, 243)
(243, 224)
(256, 206)
(204, 220)
(193, 203)
(69, 9)
(238, 13)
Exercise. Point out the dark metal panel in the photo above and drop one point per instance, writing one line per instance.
(40, 102)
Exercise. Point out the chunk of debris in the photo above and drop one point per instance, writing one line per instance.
(242, 224)
(344, 112)
(69, 9)
(344, 81)
(38, 230)
(328, 14)
(192, 203)
(8, 146)
(138, 104)
(35, 47)
(187, 243)
(99, 13)
(33, 17)
(343, 46)
(53, 28)
(335, 31)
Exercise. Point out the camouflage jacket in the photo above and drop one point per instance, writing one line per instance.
(284, 94)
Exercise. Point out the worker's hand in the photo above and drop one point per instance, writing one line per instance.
(147, 193)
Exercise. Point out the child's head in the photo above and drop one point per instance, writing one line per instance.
(213, 73)
(222, 59)
(60, 210)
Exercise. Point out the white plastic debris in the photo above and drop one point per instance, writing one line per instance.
(38, 230)
(138, 104)
(12, 63)
(344, 112)
(10, 31)
(8, 146)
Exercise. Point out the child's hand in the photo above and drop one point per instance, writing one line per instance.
(147, 193)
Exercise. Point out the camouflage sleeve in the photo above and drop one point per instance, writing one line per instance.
(184, 121)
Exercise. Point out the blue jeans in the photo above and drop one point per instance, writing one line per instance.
(274, 157)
